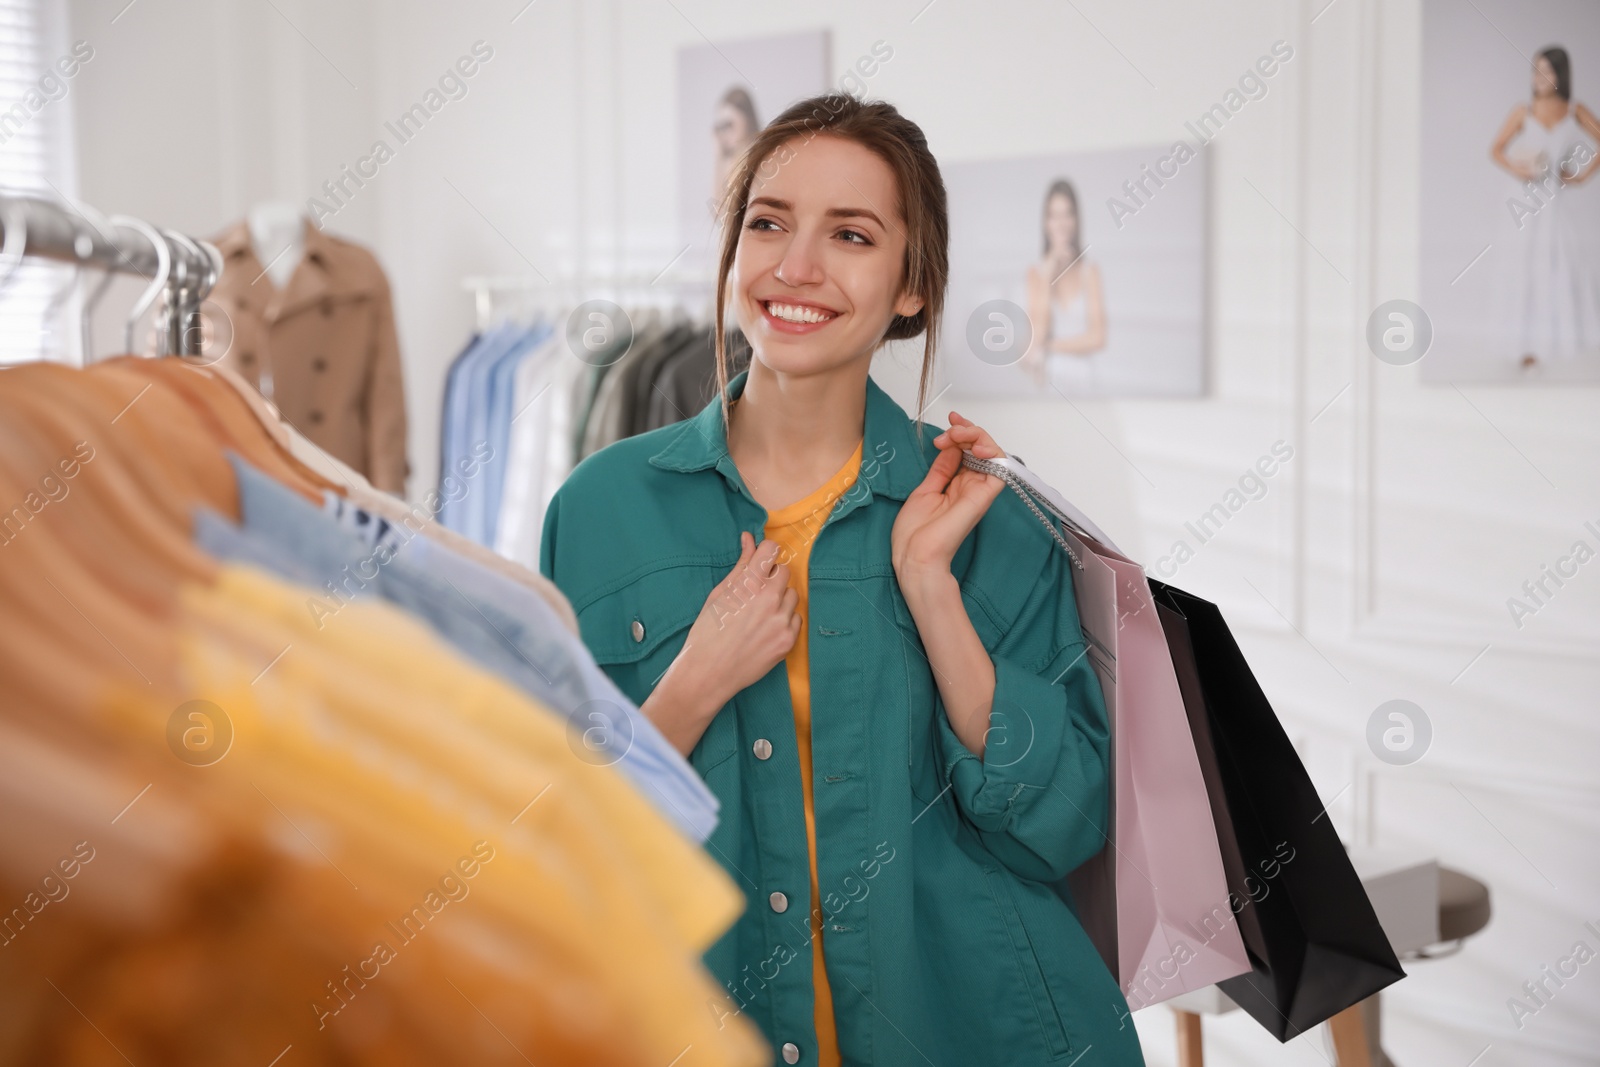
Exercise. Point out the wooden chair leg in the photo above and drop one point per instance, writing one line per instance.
(1190, 1052)
(1350, 1038)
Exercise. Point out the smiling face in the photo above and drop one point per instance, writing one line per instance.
(819, 263)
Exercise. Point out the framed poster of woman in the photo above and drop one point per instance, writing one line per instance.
(1510, 211)
(726, 92)
(1079, 275)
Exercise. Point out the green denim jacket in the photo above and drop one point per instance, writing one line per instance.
(944, 940)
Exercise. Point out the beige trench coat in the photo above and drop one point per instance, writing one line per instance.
(323, 349)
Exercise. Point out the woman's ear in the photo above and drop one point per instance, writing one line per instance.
(908, 305)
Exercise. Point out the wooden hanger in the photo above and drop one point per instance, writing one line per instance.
(166, 463)
(95, 569)
(187, 461)
(231, 422)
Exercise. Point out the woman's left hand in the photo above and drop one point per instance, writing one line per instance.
(942, 511)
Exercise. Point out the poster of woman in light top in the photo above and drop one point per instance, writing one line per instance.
(1078, 276)
(726, 91)
(1065, 299)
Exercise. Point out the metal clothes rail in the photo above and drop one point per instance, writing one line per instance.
(492, 291)
(186, 269)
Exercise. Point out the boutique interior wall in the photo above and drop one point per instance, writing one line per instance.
(1376, 566)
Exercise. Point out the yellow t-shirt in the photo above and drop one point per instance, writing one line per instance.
(795, 527)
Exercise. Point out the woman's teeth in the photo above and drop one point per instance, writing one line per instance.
(796, 313)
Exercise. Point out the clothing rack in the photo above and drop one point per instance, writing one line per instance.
(184, 268)
(490, 290)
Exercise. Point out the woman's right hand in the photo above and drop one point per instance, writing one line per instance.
(748, 624)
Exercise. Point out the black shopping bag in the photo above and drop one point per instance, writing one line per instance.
(1314, 942)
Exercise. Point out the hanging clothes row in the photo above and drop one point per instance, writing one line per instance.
(526, 401)
(311, 769)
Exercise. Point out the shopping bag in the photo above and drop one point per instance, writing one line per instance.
(1315, 944)
(1243, 882)
(1154, 900)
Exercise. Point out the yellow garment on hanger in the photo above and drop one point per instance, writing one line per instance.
(386, 680)
(400, 756)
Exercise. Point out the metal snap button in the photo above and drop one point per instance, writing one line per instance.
(762, 748)
(791, 1052)
(779, 902)
(638, 630)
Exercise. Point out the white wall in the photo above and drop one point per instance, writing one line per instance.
(1377, 566)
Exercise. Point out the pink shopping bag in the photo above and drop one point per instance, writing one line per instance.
(1155, 900)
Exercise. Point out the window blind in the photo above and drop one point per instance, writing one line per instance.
(35, 153)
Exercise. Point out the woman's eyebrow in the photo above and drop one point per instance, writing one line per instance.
(832, 213)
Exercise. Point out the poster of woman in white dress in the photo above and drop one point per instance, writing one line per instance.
(1548, 145)
(1510, 213)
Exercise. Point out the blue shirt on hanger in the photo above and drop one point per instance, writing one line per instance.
(462, 435)
(505, 628)
(483, 508)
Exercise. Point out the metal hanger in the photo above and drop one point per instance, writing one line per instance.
(59, 298)
(159, 282)
(182, 338)
(16, 241)
(86, 325)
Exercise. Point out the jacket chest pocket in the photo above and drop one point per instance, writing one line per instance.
(922, 708)
(635, 633)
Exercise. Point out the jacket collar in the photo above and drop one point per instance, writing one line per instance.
(891, 463)
(313, 279)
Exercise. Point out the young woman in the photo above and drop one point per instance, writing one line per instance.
(1548, 144)
(734, 127)
(1064, 295)
(871, 655)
